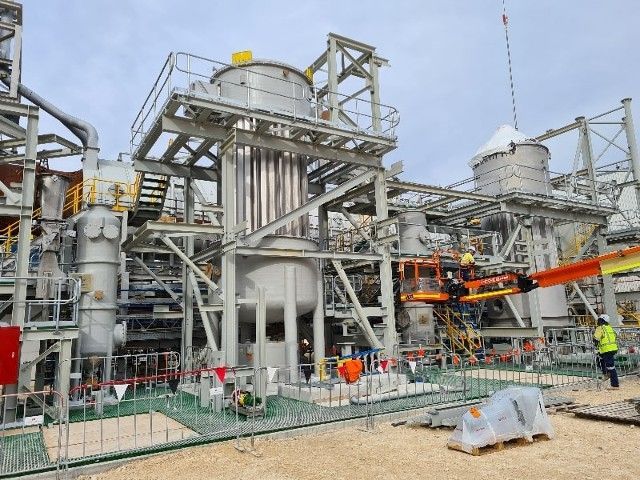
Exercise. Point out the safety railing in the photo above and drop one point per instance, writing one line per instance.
(531, 180)
(95, 370)
(59, 308)
(119, 195)
(194, 76)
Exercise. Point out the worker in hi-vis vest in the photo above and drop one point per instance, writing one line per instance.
(605, 339)
(467, 262)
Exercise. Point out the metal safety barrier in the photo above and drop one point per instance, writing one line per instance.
(137, 413)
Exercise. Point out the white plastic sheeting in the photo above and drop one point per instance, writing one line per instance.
(516, 412)
(499, 142)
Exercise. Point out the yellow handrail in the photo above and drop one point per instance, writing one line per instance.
(89, 189)
(466, 338)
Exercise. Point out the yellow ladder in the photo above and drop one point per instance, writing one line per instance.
(463, 338)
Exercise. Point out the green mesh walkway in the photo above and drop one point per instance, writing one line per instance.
(23, 452)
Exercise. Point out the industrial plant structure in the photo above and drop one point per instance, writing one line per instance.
(256, 227)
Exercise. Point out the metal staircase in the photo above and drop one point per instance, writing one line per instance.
(151, 192)
(462, 336)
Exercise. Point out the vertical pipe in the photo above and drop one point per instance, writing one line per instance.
(318, 326)
(187, 300)
(290, 320)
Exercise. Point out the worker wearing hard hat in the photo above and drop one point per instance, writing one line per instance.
(605, 339)
(467, 262)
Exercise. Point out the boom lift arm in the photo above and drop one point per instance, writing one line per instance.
(605, 264)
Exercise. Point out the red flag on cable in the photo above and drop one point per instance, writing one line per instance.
(383, 364)
(221, 372)
(505, 19)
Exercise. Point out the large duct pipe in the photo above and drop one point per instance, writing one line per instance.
(86, 132)
(290, 321)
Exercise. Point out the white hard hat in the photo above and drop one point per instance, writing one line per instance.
(472, 248)
(605, 318)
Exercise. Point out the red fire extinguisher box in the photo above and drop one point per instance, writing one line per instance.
(9, 355)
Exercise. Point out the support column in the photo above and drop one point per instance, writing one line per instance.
(376, 121)
(26, 212)
(63, 380)
(290, 321)
(332, 80)
(318, 326)
(587, 157)
(634, 155)
(260, 362)
(24, 243)
(533, 296)
(608, 292)
(228, 281)
(186, 350)
(386, 274)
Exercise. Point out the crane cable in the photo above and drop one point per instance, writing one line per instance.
(505, 22)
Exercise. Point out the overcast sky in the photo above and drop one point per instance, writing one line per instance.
(97, 59)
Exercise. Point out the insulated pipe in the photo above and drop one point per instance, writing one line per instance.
(290, 321)
(318, 326)
(86, 132)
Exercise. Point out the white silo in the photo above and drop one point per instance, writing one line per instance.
(511, 162)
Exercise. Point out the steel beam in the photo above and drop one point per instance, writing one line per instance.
(296, 253)
(553, 213)
(153, 227)
(584, 299)
(158, 280)
(173, 247)
(298, 122)
(434, 190)
(209, 324)
(361, 316)
(176, 170)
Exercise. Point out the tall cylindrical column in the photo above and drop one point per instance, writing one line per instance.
(98, 260)
(290, 320)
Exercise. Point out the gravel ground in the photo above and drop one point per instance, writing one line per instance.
(582, 449)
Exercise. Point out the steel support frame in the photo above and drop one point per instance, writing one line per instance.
(230, 325)
(386, 273)
(26, 213)
(608, 290)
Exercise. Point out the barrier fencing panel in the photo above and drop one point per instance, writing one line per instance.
(171, 408)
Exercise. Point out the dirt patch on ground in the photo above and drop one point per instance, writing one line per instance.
(114, 434)
(582, 449)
